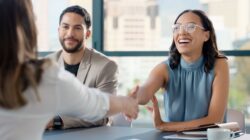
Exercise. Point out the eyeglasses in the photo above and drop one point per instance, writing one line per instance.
(189, 27)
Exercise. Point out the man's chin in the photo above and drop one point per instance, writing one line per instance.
(71, 50)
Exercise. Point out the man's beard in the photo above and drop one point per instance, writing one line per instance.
(71, 50)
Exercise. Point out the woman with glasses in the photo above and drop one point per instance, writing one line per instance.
(33, 91)
(195, 77)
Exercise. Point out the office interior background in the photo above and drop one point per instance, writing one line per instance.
(137, 34)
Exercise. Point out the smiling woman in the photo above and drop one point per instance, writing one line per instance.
(195, 77)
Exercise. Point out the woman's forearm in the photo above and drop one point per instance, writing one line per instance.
(179, 126)
(143, 96)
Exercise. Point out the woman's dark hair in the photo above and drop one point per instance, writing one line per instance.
(210, 50)
(19, 66)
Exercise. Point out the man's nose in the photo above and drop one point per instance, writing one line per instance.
(70, 32)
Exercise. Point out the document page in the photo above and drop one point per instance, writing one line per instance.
(185, 137)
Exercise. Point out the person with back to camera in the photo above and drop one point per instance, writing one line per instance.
(195, 77)
(92, 68)
(32, 91)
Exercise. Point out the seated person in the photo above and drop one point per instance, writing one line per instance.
(90, 67)
(195, 77)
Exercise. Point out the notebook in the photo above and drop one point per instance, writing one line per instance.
(233, 126)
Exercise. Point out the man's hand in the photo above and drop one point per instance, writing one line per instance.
(130, 107)
(133, 95)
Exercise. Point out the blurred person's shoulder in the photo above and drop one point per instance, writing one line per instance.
(50, 69)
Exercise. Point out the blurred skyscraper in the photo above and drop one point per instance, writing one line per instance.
(40, 8)
(235, 14)
(131, 25)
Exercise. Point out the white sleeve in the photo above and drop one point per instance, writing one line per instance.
(75, 99)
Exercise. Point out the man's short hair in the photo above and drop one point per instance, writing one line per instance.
(78, 10)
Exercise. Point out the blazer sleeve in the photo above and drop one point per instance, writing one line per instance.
(107, 79)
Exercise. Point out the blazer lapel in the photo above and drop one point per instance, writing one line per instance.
(60, 60)
(84, 66)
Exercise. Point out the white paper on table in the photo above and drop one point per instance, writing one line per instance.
(198, 133)
(185, 137)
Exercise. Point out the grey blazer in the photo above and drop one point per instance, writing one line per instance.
(95, 70)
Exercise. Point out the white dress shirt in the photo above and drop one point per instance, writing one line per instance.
(60, 93)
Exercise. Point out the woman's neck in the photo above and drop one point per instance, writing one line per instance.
(191, 58)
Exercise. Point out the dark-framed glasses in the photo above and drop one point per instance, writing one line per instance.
(189, 27)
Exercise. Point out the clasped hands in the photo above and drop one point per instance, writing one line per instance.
(154, 109)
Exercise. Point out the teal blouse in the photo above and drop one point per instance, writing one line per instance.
(188, 91)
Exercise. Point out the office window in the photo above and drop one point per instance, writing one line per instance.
(145, 25)
(47, 19)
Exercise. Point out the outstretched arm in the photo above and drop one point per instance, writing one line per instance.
(77, 100)
(157, 79)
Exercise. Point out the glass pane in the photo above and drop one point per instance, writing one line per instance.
(135, 70)
(47, 19)
(145, 25)
(239, 97)
(239, 85)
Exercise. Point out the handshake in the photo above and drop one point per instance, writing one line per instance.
(128, 105)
